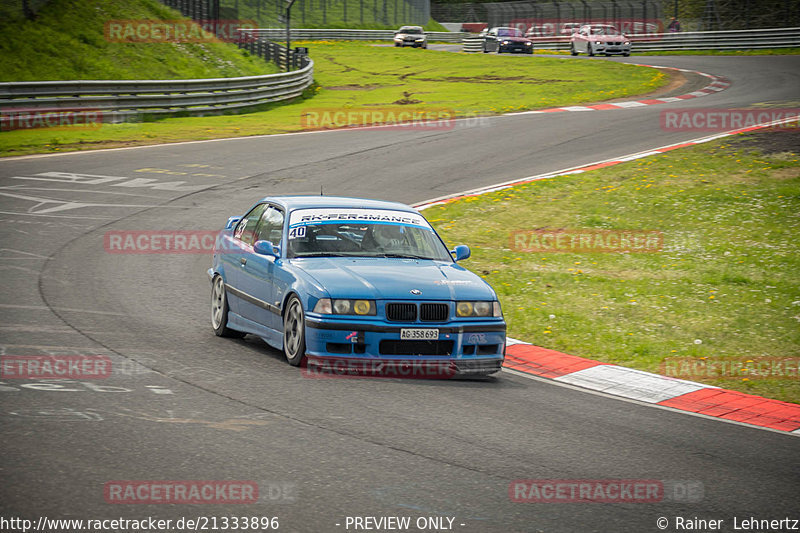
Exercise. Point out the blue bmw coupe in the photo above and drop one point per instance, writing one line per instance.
(331, 279)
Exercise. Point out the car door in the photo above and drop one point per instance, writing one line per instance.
(257, 273)
(235, 250)
(582, 40)
(490, 41)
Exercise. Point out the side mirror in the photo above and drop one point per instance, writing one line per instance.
(267, 248)
(232, 221)
(461, 251)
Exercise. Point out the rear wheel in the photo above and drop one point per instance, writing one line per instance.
(294, 332)
(219, 310)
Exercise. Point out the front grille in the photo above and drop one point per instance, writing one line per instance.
(401, 312)
(397, 347)
(434, 312)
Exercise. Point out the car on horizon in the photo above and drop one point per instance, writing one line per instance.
(413, 36)
(330, 278)
(505, 39)
(599, 39)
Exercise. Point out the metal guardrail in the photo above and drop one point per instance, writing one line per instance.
(121, 100)
(348, 35)
(701, 40)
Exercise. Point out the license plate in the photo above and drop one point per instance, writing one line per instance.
(419, 334)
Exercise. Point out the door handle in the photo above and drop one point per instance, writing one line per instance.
(243, 261)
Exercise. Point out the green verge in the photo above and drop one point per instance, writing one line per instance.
(367, 76)
(67, 41)
(725, 286)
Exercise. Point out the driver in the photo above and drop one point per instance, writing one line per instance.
(388, 236)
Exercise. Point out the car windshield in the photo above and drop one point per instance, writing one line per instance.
(363, 233)
(411, 30)
(604, 30)
(509, 32)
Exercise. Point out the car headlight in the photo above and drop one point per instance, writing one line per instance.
(326, 306)
(529, 44)
(421, 40)
(505, 42)
(627, 42)
(465, 309)
(598, 42)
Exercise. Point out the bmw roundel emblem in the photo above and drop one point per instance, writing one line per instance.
(416, 292)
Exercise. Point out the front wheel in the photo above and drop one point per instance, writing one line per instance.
(219, 310)
(589, 50)
(626, 54)
(294, 332)
(572, 50)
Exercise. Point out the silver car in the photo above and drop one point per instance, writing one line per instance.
(411, 36)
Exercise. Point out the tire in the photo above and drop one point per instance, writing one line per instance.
(589, 50)
(485, 51)
(572, 50)
(219, 310)
(626, 54)
(294, 332)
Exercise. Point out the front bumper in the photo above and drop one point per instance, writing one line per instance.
(523, 48)
(409, 42)
(467, 346)
(612, 48)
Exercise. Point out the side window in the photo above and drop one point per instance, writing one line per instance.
(271, 227)
(246, 228)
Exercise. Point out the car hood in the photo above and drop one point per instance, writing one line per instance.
(514, 39)
(607, 38)
(394, 278)
(418, 35)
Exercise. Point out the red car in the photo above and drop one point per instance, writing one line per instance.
(599, 39)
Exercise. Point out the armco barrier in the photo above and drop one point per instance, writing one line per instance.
(277, 34)
(700, 40)
(121, 100)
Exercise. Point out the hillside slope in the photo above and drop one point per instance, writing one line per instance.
(67, 41)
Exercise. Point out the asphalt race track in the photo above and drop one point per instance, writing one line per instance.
(183, 404)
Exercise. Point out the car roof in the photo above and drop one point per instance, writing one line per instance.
(411, 27)
(308, 201)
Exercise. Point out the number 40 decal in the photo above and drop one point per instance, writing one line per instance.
(298, 232)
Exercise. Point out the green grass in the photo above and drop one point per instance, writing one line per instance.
(728, 276)
(353, 76)
(338, 14)
(67, 42)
